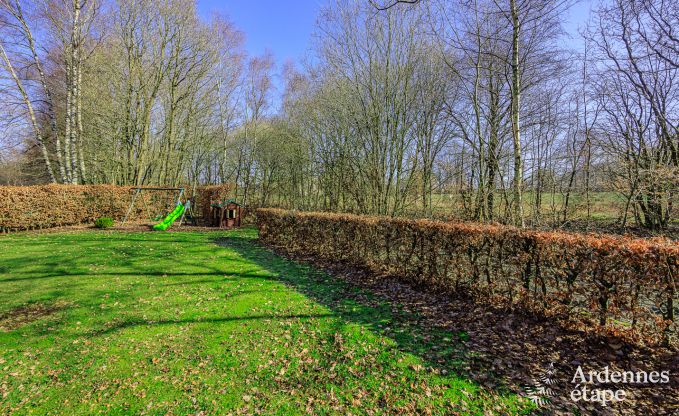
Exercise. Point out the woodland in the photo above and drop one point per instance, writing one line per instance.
(473, 109)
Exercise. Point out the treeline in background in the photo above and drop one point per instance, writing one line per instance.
(477, 109)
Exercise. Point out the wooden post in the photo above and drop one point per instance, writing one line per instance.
(131, 205)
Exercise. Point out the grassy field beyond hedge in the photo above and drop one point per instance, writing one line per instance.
(207, 323)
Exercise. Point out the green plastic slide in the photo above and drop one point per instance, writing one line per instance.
(171, 217)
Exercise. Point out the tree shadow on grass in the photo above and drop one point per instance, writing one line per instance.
(224, 276)
(120, 325)
(443, 350)
(202, 264)
(502, 350)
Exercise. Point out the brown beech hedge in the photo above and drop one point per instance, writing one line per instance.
(206, 195)
(606, 284)
(35, 207)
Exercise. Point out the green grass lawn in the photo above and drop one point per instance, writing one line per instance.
(210, 323)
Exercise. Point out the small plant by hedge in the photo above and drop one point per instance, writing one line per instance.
(606, 284)
(104, 222)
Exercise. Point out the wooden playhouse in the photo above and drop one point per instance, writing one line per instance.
(225, 214)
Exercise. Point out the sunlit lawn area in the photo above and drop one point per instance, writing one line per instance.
(209, 323)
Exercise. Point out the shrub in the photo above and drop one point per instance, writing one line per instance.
(607, 284)
(210, 194)
(104, 222)
(45, 206)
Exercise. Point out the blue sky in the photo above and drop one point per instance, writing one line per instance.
(282, 26)
(285, 27)
(578, 16)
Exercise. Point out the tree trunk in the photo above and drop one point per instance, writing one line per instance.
(31, 114)
(48, 94)
(78, 118)
(516, 105)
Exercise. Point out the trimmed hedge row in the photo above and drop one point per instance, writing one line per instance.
(607, 284)
(35, 207)
(46, 206)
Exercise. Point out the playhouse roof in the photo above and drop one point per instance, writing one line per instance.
(225, 203)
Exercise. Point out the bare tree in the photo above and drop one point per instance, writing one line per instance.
(637, 90)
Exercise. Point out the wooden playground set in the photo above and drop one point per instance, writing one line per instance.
(222, 213)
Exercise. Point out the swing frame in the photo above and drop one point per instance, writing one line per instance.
(139, 190)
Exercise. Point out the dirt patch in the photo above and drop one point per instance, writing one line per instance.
(24, 315)
(514, 349)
